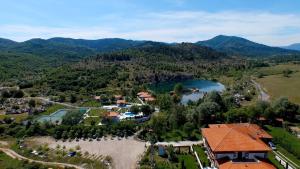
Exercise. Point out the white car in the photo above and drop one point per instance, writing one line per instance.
(272, 145)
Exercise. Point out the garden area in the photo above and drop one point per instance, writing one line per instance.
(202, 156)
(169, 158)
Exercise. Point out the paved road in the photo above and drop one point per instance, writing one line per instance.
(15, 155)
(263, 96)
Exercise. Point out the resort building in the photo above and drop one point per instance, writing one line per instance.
(237, 146)
(121, 103)
(112, 116)
(146, 96)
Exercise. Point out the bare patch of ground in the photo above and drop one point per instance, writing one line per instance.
(125, 152)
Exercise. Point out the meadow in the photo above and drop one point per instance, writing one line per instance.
(277, 85)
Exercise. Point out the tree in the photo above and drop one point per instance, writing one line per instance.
(5, 94)
(146, 109)
(215, 97)
(73, 98)
(285, 109)
(18, 93)
(205, 111)
(62, 98)
(165, 102)
(188, 127)
(158, 124)
(287, 72)
(134, 109)
(31, 103)
(237, 115)
(178, 88)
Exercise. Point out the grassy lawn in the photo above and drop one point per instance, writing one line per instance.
(91, 103)
(18, 117)
(52, 109)
(178, 135)
(202, 156)
(278, 69)
(7, 162)
(289, 145)
(189, 161)
(276, 84)
(97, 112)
(88, 120)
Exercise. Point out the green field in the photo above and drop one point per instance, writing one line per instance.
(97, 112)
(7, 162)
(18, 117)
(91, 103)
(276, 85)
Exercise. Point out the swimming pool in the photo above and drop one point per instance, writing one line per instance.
(128, 115)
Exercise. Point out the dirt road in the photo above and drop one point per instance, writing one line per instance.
(263, 96)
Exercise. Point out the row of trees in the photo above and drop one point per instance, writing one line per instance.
(126, 128)
(215, 108)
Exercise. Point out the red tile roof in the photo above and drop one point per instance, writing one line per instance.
(121, 102)
(235, 137)
(246, 165)
(118, 97)
(112, 114)
(149, 99)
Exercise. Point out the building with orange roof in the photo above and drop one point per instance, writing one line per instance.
(237, 146)
(146, 96)
(112, 116)
(118, 97)
(121, 103)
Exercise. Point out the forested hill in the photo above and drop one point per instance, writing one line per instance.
(65, 48)
(156, 51)
(239, 46)
(295, 46)
(151, 63)
(100, 45)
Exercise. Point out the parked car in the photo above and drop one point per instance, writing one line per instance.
(72, 154)
(272, 145)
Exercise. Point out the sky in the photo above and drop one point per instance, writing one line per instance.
(271, 22)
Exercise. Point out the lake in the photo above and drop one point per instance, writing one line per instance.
(205, 86)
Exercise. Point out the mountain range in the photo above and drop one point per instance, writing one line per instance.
(295, 46)
(242, 47)
(73, 49)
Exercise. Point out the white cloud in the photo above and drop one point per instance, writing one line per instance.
(176, 26)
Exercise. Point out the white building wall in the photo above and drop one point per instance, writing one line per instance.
(244, 155)
(229, 155)
(255, 155)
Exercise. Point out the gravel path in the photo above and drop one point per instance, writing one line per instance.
(263, 96)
